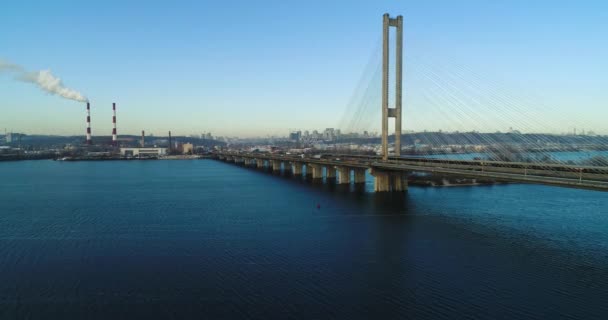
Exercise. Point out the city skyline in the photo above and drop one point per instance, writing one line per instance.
(276, 70)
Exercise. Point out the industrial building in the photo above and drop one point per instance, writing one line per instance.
(187, 148)
(143, 152)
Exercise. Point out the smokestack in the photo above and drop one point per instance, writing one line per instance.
(88, 124)
(142, 138)
(114, 139)
(169, 141)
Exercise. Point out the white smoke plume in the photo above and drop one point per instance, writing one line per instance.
(44, 79)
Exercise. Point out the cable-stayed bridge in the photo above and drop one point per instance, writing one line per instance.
(459, 97)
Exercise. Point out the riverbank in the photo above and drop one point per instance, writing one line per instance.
(117, 158)
(26, 157)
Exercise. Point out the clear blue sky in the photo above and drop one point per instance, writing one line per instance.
(263, 67)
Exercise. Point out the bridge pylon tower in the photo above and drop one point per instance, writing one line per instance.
(396, 111)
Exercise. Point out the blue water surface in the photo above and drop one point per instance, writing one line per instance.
(207, 239)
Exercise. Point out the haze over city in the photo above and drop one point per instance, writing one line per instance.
(244, 68)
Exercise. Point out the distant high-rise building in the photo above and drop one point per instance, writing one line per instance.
(329, 134)
(295, 136)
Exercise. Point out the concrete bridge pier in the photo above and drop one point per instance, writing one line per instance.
(359, 175)
(247, 162)
(343, 175)
(238, 160)
(330, 173)
(276, 165)
(297, 168)
(316, 170)
(389, 181)
(286, 167)
(259, 163)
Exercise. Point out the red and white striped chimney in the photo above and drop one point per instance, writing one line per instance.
(114, 139)
(88, 124)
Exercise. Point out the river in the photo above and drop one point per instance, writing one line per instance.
(207, 239)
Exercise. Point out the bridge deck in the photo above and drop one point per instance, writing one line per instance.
(572, 176)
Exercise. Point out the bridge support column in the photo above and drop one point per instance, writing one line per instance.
(238, 160)
(259, 163)
(343, 175)
(359, 175)
(247, 162)
(330, 172)
(276, 165)
(389, 181)
(297, 168)
(286, 167)
(316, 170)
